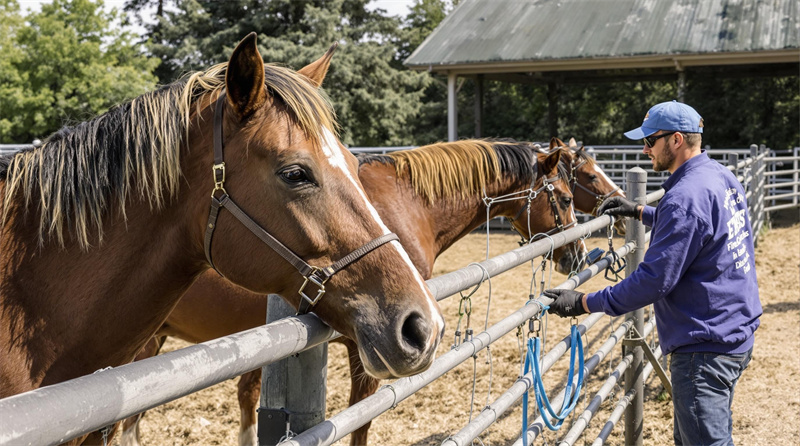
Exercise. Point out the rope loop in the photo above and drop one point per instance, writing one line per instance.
(571, 396)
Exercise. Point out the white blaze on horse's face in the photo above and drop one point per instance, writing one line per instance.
(333, 152)
(603, 174)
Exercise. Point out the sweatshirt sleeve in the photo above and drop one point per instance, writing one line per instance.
(674, 244)
(648, 215)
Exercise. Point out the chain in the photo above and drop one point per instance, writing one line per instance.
(617, 263)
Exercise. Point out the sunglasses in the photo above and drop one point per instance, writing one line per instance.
(650, 141)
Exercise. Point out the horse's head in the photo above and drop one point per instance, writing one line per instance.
(286, 169)
(551, 201)
(589, 184)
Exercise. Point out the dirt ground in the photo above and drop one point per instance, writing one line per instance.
(766, 407)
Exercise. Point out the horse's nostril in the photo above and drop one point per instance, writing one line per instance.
(415, 332)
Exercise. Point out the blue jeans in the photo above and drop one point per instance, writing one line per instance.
(702, 394)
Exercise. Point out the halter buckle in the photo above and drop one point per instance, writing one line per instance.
(219, 180)
(312, 277)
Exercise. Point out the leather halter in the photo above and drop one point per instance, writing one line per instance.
(220, 199)
(547, 186)
(573, 181)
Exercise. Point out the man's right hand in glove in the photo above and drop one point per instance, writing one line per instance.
(621, 207)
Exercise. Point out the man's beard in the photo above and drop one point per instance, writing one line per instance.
(664, 161)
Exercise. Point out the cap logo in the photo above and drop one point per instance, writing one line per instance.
(701, 123)
(646, 116)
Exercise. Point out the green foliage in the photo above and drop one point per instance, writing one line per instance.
(373, 99)
(68, 63)
(744, 111)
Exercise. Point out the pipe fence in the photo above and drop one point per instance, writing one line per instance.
(388, 397)
(57, 413)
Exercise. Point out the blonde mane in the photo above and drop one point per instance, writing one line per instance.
(80, 173)
(461, 168)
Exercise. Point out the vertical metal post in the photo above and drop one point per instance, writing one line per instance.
(452, 108)
(733, 160)
(293, 389)
(762, 183)
(795, 176)
(479, 106)
(636, 190)
(753, 188)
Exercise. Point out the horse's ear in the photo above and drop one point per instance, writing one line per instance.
(549, 161)
(555, 142)
(573, 144)
(244, 79)
(316, 71)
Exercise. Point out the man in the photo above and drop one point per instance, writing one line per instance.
(698, 272)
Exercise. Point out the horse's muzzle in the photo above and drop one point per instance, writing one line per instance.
(406, 349)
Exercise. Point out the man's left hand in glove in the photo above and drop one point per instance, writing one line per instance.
(566, 303)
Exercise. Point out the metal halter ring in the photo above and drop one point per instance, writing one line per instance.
(219, 183)
(319, 283)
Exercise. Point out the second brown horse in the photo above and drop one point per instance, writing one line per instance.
(431, 197)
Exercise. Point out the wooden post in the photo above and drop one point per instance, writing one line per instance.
(293, 389)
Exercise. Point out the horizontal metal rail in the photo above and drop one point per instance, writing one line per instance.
(490, 414)
(619, 409)
(585, 418)
(49, 415)
(594, 405)
(57, 413)
(387, 397)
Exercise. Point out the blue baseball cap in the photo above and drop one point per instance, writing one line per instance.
(670, 116)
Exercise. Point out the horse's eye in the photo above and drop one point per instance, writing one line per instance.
(294, 175)
(592, 178)
(567, 201)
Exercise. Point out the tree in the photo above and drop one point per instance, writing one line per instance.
(373, 99)
(67, 64)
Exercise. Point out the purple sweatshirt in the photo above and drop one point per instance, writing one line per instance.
(699, 271)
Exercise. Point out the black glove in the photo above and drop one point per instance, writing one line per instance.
(620, 207)
(566, 303)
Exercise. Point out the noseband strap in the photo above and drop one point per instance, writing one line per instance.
(221, 199)
(599, 199)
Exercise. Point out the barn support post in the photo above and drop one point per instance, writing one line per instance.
(479, 106)
(293, 389)
(452, 108)
(681, 83)
(636, 189)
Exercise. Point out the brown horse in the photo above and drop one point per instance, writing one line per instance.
(590, 186)
(431, 196)
(108, 224)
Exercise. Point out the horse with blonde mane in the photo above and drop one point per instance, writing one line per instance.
(237, 169)
(431, 197)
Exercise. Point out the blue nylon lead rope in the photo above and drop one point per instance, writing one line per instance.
(532, 360)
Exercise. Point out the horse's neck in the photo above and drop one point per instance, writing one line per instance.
(426, 229)
(66, 312)
(456, 216)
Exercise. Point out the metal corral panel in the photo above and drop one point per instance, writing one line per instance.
(503, 31)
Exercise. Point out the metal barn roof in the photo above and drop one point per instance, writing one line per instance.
(485, 36)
